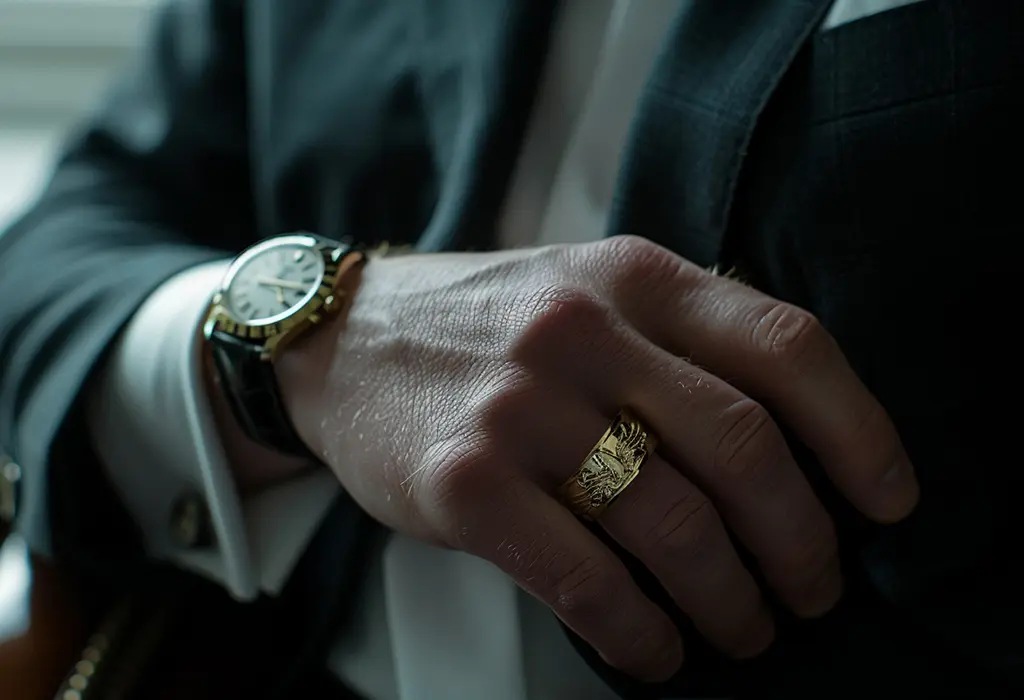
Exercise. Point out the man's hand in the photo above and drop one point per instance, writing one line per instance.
(462, 389)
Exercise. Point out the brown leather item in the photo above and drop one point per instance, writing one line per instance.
(166, 642)
(42, 627)
(52, 648)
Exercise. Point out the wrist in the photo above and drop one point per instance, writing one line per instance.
(274, 295)
(303, 368)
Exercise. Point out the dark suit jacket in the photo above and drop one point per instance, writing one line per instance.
(869, 174)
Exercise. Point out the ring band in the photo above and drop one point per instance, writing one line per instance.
(609, 468)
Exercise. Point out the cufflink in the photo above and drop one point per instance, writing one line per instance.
(10, 479)
(191, 527)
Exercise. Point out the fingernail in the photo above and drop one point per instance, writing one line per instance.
(826, 593)
(669, 663)
(900, 490)
(666, 664)
(761, 637)
(896, 473)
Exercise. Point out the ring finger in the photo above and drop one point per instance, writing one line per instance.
(723, 442)
(668, 524)
(672, 527)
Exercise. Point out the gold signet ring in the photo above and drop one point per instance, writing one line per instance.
(609, 468)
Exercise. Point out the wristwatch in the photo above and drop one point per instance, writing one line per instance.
(273, 293)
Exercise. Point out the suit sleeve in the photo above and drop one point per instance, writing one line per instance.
(155, 435)
(156, 182)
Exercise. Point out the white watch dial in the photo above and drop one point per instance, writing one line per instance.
(274, 283)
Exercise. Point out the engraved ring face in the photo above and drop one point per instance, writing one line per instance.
(609, 468)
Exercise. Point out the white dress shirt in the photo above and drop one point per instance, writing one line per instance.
(418, 634)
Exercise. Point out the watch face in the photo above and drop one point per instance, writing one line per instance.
(274, 283)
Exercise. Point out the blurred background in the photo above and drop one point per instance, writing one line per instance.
(56, 59)
(56, 56)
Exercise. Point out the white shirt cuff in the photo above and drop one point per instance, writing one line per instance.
(154, 432)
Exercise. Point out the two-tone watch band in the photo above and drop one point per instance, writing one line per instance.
(250, 385)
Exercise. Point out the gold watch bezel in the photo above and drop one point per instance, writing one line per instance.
(274, 336)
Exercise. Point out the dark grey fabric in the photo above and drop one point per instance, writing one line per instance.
(879, 192)
(866, 173)
(721, 63)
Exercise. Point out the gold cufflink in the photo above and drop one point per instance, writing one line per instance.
(191, 526)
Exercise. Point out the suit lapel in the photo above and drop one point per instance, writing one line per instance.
(720, 64)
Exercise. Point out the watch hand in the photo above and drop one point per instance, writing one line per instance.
(280, 295)
(281, 284)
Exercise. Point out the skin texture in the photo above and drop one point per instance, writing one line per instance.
(459, 390)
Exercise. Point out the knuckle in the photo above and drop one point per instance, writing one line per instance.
(594, 595)
(523, 557)
(587, 587)
(642, 649)
(749, 444)
(569, 326)
(688, 531)
(469, 487)
(512, 395)
(790, 335)
(628, 249)
(640, 264)
(558, 314)
(456, 470)
(567, 305)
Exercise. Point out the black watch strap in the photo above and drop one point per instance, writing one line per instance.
(251, 388)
